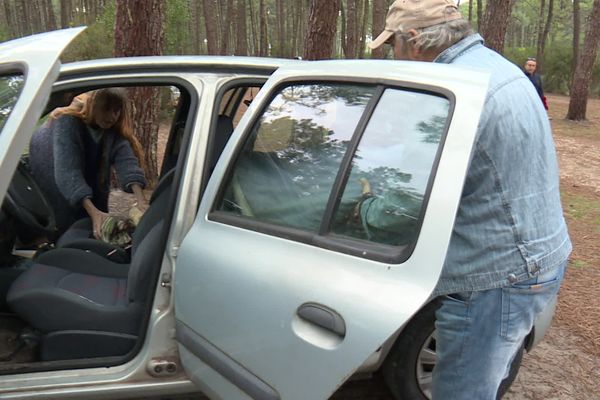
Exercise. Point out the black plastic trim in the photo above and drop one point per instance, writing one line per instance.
(344, 170)
(234, 372)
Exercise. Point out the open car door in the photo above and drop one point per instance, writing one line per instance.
(28, 68)
(324, 226)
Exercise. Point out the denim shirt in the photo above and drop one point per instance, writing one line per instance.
(509, 226)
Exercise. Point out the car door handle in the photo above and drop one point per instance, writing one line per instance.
(323, 317)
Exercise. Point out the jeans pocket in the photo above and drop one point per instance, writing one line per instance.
(523, 301)
(460, 297)
(540, 282)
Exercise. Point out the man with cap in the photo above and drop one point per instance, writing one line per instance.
(510, 244)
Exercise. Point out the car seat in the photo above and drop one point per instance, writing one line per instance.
(85, 305)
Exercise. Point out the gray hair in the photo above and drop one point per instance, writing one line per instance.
(439, 37)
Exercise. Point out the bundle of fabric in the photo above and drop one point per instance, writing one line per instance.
(117, 230)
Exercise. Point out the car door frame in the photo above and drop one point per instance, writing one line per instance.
(155, 368)
(36, 58)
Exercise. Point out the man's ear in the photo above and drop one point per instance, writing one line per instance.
(415, 46)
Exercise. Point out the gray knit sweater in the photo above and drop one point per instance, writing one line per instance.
(70, 166)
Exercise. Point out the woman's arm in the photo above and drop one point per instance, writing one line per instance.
(127, 166)
(68, 160)
(96, 216)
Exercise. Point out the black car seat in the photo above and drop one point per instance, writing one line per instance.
(85, 305)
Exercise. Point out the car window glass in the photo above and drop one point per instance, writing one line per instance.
(10, 87)
(285, 172)
(391, 168)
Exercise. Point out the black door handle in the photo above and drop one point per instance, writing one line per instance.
(323, 316)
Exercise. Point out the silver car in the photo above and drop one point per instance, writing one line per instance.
(256, 274)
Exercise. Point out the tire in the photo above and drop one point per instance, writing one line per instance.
(407, 370)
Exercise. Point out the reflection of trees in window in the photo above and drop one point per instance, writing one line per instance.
(10, 86)
(313, 155)
(432, 129)
(317, 96)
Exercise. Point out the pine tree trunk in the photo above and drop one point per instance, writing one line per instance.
(363, 29)
(142, 37)
(65, 13)
(281, 39)
(495, 22)
(322, 25)
(194, 44)
(540, 27)
(24, 25)
(229, 19)
(293, 27)
(50, 16)
(471, 11)
(343, 41)
(544, 37)
(253, 29)
(583, 72)
(264, 39)
(210, 18)
(10, 13)
(479, 14)
(351, 33)
(576, 39)
(378, 25)
(241, 44)
(35, 12)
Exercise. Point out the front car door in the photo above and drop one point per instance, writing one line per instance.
(28, 68)
(324, 226)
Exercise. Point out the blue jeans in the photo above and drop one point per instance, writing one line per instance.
(479, 333)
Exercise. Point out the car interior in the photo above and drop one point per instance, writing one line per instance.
(71, 300)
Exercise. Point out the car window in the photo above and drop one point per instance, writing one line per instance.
(392, 167)
(10, 87)
(340, 160)
(286, 170)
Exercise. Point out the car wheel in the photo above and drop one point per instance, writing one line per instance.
(408, 368)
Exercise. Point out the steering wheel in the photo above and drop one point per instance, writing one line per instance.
(26, 202)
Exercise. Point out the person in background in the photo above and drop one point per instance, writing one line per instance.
(71, 156)
(535, 78)
(510, 245)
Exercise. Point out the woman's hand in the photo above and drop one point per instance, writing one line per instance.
(142, 203)
(96, 216)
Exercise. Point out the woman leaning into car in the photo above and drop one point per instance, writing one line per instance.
(71, 156)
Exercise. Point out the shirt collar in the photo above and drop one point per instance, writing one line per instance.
(452, 52)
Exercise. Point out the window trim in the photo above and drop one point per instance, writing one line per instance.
(230, 84)
(324, 238)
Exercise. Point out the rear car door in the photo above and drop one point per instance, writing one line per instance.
(28, 68)
(324, 226)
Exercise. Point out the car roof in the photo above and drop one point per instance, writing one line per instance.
(227, 63)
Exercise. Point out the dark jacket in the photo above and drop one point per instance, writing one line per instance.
(70, 166)
(536, 79)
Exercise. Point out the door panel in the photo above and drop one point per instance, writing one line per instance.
(35, 60)
(293, 302)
